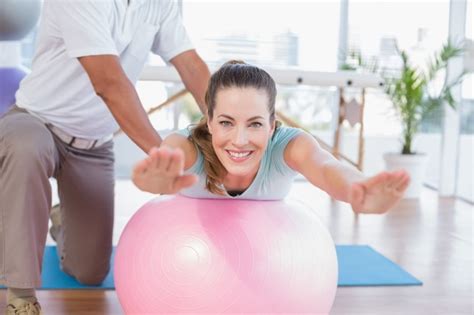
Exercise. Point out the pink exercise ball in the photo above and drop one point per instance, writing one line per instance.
(189, 256)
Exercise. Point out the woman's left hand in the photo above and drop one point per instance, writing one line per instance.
(379, 193)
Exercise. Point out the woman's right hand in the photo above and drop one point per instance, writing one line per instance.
(162, 172)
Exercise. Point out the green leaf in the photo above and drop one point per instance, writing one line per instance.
(409, 92)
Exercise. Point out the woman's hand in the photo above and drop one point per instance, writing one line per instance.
(162, 172)
(379, 193)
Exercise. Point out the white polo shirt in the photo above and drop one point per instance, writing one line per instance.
(58, 89)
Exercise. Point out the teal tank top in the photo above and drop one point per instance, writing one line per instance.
(274, 177)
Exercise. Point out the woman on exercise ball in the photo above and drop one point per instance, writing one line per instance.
(240, 151)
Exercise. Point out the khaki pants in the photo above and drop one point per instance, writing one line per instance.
(29, 155)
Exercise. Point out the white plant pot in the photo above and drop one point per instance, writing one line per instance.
(414, 164)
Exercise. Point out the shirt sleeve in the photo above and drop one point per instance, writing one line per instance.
(84, 27)
(280, 140)
(172, 38)
(198, 166)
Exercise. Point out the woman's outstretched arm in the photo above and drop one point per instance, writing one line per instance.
(376, 194)
(162, 171)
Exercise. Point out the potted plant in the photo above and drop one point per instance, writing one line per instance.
(413, 100)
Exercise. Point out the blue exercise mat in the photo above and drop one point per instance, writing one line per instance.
(55, 279)
(359, 265)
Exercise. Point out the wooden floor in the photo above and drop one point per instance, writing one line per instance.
(432, 239)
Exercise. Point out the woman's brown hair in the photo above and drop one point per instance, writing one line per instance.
(233, 73)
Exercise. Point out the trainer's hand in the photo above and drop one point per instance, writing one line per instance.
(379, 193)
(162, 172)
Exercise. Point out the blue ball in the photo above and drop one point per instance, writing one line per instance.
(17, 18)
(9, 82)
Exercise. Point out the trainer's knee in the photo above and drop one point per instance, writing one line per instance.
(91, 276)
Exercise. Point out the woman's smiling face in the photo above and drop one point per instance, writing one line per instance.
(240, 129)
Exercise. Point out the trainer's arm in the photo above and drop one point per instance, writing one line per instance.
(114, 87)
(195, 75)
